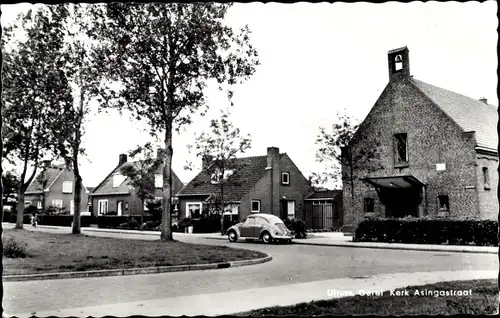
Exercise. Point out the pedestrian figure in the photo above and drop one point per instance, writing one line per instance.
(34, 220)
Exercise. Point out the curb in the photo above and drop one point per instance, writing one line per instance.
(408, 248)
(122, 231)
(135, 271)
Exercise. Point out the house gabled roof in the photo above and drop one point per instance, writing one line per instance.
(470, 114)
(106, 186)
(252, 170)
(327, 194)
(53, 173)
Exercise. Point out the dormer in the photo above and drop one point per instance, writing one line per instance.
(399, 64)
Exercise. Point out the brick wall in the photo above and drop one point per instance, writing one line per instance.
(298, 189)
(432, 138)
(260, 191)
(488, 201)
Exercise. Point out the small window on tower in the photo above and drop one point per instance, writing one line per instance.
(401, 146)
(398, 63)
(486, 178)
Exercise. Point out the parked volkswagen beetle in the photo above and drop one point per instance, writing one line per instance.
(262, 226)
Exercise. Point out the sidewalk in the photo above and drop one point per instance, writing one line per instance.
(336, 239)
(237, 301)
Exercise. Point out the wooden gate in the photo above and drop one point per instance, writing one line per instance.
(322, 216)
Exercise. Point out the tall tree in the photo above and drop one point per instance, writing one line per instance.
(35, 88)
(343, 163)
(84, 78)
(161, 57)
(223, 143)
(142, 173)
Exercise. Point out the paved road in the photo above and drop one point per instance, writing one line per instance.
(291, 264)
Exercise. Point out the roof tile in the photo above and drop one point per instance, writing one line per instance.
(252, 170)
(470, 114)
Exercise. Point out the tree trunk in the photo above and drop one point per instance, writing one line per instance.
(166, 216)
(142, 211)
(1, 220)
(20, 208)
(222, 209)
(77, 196)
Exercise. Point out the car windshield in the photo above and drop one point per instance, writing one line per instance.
(280, 226)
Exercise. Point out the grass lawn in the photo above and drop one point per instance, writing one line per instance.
(49, 252)
(483, 301)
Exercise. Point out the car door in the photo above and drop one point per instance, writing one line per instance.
(246, 230)
(260, 223)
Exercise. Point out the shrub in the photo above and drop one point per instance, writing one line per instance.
(131, 224)
(207, 223)
(428, 231)
(150, 226)
(184, 223)
(26, 218)
(6, 216)
(297, 226)
(13, 248)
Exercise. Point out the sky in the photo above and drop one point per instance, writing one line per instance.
(318, 60)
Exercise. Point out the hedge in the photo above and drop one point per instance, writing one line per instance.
(113, 221)
(427, 231)
(297, 226)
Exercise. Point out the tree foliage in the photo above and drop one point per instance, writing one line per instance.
(142, 172)
(84, 78)
(35, 90)
(343, 162)
(222, 144)
(160, 57)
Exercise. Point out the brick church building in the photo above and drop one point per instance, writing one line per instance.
(437, 155)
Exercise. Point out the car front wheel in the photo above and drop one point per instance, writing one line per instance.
(232, 236)
(266, 238)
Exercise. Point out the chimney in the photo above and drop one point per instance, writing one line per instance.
(205, 161)
(484, 100)
(272, 153)
(273, 162)
(399, 64)
(122, 159)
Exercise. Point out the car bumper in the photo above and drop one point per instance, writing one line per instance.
(283, 237)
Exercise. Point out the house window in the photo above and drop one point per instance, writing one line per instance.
(285, 178)
(368, 205)
(27, 204)
(58, 203)
(290, 209)
(39, 205)
(401, 148)
(67, 187)
(117, 180)
(444, 203)
(486, 178)
(193, 210)
(158, 181)
(255, 206)
(102, 207)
